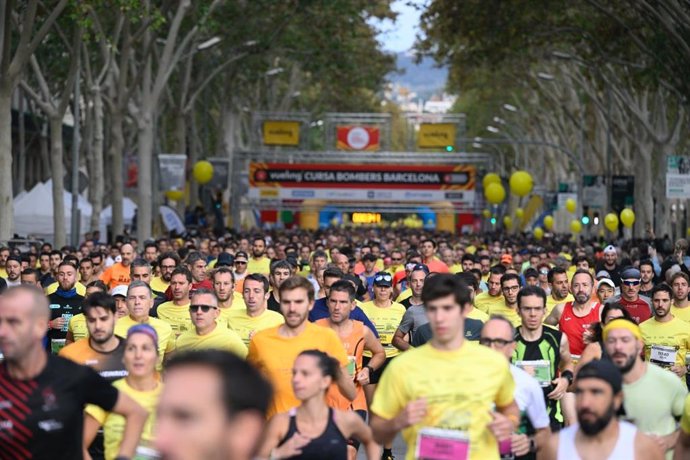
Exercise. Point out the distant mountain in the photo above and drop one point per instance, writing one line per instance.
(423, 78)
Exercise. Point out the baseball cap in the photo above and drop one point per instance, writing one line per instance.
(531, 273)
(224, 260)
(603, 370)
(610, 249)
(607, 282)
(506, 259)
(602, 274)
(241, 255)
(383, 279)
(119, 290)
(630, 273)
(420, 267)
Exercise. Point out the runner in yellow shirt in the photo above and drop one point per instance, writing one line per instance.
(259, 263)
(681, 288)
(510, 286)
(255, 316)
(665, 337)
(176, 311)
(143, 384)
(167, 263)
(448, 395)
(223, 280)
(207, 332)
(493, 297)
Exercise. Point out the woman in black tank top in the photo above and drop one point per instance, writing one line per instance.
(314, 431)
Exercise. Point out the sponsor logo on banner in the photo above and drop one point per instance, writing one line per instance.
(285, 133)
(436, 135)
(303, 193)
(269, 193)
(357, 138)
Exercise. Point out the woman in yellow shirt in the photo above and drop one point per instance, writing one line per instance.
(143, 384)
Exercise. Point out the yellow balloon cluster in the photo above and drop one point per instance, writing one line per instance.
(521, 183)
(611, 222)
(570, 205)
(491, 178)
(495, 193)
(576, 226)
(538, 233)
(508, 222)
(548, 222)
(519, 213)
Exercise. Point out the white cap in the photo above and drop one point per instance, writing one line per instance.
(609, 249)
(607, 282)
(119, 290)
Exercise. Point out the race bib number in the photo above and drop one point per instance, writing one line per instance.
(145, 453)
(662, 355)
(539, 369)
(440, 444)
(67, 317)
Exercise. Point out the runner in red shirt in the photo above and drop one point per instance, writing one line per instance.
(639, 307)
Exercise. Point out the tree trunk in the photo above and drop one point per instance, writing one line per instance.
(20, 186)
(644, 196)
(117, 145)
(145, 151)
(97, 187)
(6, 208)
(58, 173)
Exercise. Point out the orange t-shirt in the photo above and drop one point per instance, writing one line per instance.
(274, 355)
(116, 275)
(354, 347)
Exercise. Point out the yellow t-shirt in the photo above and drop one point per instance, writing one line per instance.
(478, 315)
(386, 321)
(681, 313)
(274, 355)
(237, 304)
(483, 301)
(455, 268)
(177, 316)
(665, 343)
(81, 289)
(262, 265)
(114, 424)
(507, 312)
(166, 339)
(406, 294)
(239, 321)
(3, 273)
(220, 338)
(77, 326)
(158, 285)
(461, 388)
(685, 419)
(551, 302)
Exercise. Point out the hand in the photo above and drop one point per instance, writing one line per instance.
(413, 413)
(561, 387)
(519, 444)
(292, 447)
(57, 323)
(664, 442)
(363, 376)
(501, 426)
(251, 334)
(680, 371)
(587, 335)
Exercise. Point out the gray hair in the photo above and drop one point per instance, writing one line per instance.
(204, 291)
(504, 320)
(138, 284)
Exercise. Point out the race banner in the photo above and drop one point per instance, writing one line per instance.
(172, 171)
(281, 133)
(436, 135)
(678, 177)
(377, 182)
(363, 138)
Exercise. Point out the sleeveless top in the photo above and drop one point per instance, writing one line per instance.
(354, 347)
(574, 326)
(624, 448)
(330, 444)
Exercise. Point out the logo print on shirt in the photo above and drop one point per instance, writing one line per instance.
(49, 399)
(49, 425)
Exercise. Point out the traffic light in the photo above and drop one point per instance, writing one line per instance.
(585, 220)
(449, 148)
(493, 221)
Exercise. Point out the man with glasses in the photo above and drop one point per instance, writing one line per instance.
(541, 351)
(207, 333)
(534, 429)
(510, 285)
(167, 262)
(640, 308)
(320, 310)
(240, 265)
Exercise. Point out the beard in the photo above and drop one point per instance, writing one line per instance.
(582, 298)
(592, 428)
(629, 363)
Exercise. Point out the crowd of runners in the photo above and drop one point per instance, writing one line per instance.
(329, 344)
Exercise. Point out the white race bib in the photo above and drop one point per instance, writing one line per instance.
(539, 369)
(663, 355)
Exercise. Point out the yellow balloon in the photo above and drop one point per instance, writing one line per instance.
(538, 233)
(491, 178)
(507, 222)
(570, 205)
(611, 221)
(519, 213)
(486, 213)
(575, 226)
(521, 183)
(495, 193)
(548, 222)
(203, 172)
(628, 217)
(175, 195)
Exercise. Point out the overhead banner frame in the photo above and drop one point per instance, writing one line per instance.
(447, 137)
(358, 131)
(280, 130)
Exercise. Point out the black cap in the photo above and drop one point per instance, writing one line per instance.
(602, 369)
(242, 254)
(225, 260)
(383, 279)
(531, 272)
(369, 257)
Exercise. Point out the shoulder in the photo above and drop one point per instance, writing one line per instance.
(72, 350)
(266, 334)
(399, 307)
(663, 377)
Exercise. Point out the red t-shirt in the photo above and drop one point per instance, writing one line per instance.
(575, 326)
(639, 309)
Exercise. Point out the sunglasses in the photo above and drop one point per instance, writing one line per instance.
(487, 342)
(385, 277)
(631, 282)
(239, 262)
(204, 308)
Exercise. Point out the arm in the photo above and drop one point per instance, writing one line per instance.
(361, 431)
(378, 356)
(346, 385)
(555, 315)
(385, 430)
(647, 448)
(682, 450)
(399, 341)
(135, 417)
(91, 426)
(549, 450)
(566, 364)
(590, 353)
(505, 421)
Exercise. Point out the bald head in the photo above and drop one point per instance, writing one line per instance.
(32, 297)
(501, 334)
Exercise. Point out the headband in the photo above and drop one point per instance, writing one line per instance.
(144, 329)
(622, 324)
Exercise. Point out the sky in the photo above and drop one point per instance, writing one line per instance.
(400, 36)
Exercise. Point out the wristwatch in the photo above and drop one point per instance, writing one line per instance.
(568, 375)
(371, 370)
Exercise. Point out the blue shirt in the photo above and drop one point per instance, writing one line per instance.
(320, 311)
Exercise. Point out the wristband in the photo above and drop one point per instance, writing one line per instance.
(371, 370)
(568, 375)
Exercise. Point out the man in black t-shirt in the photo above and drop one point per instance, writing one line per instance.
(42, 397)
(64, 303)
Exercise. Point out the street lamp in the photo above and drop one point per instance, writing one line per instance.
(545, 76)
(510, 108)
(493, 129)
(213, 41)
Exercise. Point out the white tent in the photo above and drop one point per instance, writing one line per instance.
(129, 207)
(33, 212)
